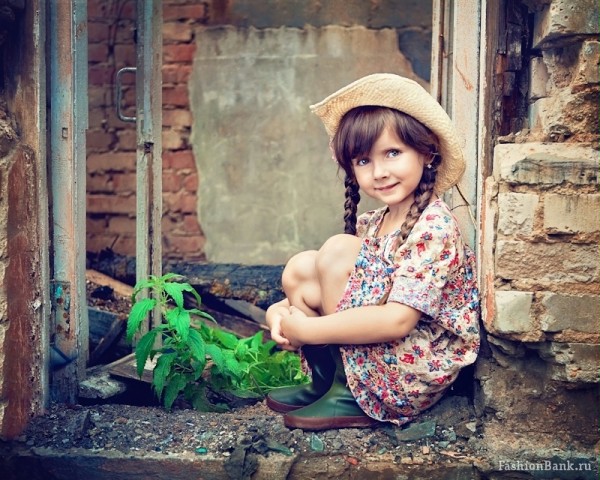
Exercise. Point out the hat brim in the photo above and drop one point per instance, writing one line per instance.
(405, 95)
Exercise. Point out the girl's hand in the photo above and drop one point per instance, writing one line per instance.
(275, 314)
(292, 326)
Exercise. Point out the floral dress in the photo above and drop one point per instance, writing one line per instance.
(433, 272)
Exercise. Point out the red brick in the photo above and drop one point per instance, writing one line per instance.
(176, 96)
(180, 160)
(184, 12)
(190, 183)
(177, 118)
(118, 162)
(125, 245)
(173, 74)
(98, 96)
(121, 224)
(95, 225)
(171, 182)
(127, 10)
(192, 245)
(97, 10)
(128, 98)
(101, 74)
(110, 204)
(191, 225)
(176, 32)
(98, 242)
(99, 183)
(124, 183)
(172, 140)
(97, 118)
(169, 224)
(97, 32)
(97, 52)
(124, 33)
(179, 202)
(100, 141)
(125, 56)
(127, 140)
(188, 203)
(180, 53)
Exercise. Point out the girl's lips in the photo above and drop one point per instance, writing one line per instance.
(385, 189)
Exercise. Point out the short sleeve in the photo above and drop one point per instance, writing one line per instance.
(426, 261)
(368, 221)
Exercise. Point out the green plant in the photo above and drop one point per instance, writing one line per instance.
(204, 363)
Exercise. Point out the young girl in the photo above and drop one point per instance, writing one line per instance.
(387, 314)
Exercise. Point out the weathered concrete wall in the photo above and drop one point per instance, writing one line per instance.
(540, 370)
(268, 186)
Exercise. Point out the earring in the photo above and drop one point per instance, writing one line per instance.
(428, 166)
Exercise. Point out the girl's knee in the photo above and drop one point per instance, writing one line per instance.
(338, 253)
(300, 268)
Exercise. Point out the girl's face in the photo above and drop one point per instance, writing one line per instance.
(391, 171)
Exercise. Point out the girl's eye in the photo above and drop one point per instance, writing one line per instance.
(393, 153)
(359, 162)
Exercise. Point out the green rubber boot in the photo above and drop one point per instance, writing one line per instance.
(336, 409)
(287, 399)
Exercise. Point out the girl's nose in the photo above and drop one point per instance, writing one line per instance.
(379, 170)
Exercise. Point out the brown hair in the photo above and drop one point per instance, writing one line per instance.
(358, 130)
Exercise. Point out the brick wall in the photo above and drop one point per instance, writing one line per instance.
(111, 142)
(541, 277)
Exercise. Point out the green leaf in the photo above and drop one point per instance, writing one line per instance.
(179, 320)
(169, 276)
(257, 340)
(138, 313)
(141, 285)
(202, 314)
(196, 344)
(188, 288)
(216, 355)
(232, 366)
(143, 349)
(162, 371)
(175, 291)
(176, 385)
(229, 340)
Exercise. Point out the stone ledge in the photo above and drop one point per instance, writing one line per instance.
(78, 463)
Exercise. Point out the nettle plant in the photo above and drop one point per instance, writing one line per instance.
(210, 367)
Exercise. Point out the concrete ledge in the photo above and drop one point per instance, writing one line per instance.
(78, 463)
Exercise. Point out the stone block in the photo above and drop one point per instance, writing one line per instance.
(538, 78)
(574, 312)
(565, 114)
(547, 262)
(587, 69)
(516, 212)
(560, 20)
(572, 362)
(513, 311)
(571, 213)
(546, 163)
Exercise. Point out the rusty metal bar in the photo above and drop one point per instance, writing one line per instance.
(68, 123)
(149, 141)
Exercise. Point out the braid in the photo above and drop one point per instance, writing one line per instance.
(423, 195)
(350, 205)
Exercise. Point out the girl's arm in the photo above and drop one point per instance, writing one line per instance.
(360, 325)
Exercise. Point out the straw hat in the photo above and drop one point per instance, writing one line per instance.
(394, 91)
